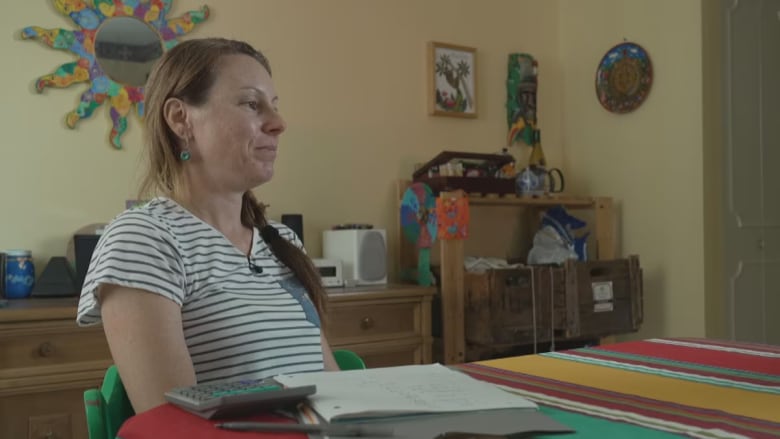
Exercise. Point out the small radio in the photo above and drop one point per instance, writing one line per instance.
(330, 272)
(362, 252)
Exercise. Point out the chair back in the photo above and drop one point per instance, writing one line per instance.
(348, 360)
(95, 407)
(118, 407)
(107, 408)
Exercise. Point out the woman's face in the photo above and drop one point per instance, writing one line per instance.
(235, 134)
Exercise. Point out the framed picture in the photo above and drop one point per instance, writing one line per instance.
(452, 79)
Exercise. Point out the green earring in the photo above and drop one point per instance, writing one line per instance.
(184, 155)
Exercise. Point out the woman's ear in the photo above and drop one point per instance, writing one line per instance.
(175, 114)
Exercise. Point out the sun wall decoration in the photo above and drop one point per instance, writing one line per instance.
(102, 23)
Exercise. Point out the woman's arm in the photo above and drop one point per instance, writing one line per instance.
(327, 355)
(144, 333)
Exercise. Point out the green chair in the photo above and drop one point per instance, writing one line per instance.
(348, 360)
(108, 407)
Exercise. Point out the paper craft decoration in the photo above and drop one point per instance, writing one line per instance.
(521, 85)
(419, 225)
(452, 216)
(81, 43)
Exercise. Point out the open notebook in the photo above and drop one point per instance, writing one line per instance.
(398, 391)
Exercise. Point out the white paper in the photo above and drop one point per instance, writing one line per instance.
(401, 390)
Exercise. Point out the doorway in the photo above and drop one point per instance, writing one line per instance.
(751, 196)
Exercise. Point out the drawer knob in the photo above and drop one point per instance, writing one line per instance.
(46, 349)
(367, 323)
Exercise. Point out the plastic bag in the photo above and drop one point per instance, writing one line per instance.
(555, 242)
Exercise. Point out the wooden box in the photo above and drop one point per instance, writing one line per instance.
(510, 306)
(486, 170)
(603, 297)
(539, 303)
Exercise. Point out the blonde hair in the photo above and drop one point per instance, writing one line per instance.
(187, 72)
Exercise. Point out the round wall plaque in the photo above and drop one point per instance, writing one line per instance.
(624, 77)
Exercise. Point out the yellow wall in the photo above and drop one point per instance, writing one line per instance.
(649, 160)
(351, 75)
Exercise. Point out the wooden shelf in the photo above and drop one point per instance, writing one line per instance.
(546, 200)
(451, 255)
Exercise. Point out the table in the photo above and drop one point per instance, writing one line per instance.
(654, 388)
(651, 388)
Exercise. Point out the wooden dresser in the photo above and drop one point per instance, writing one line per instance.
(386, 325)
(47, 361)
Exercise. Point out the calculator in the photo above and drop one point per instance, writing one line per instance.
(237, 398)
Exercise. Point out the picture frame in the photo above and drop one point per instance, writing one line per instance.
(452, 80)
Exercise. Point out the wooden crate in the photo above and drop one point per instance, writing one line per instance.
(535, 304)
(511, 306)
(603, 297)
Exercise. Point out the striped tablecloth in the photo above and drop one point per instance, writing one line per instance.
(651, 389)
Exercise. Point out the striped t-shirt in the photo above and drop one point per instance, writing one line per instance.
(238, 323)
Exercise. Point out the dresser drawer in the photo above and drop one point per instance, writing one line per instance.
(392, 352)
(50, 344)
(361, 322)
(400, 356)
(45, 415)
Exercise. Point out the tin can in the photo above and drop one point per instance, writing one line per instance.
(19, 274)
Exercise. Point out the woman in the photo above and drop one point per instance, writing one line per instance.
(197, 286)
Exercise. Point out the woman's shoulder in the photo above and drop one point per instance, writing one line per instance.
(159, 219)
(154, 215)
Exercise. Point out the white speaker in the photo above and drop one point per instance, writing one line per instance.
(362, 252)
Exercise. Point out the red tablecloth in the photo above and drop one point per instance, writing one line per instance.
(170, 422)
